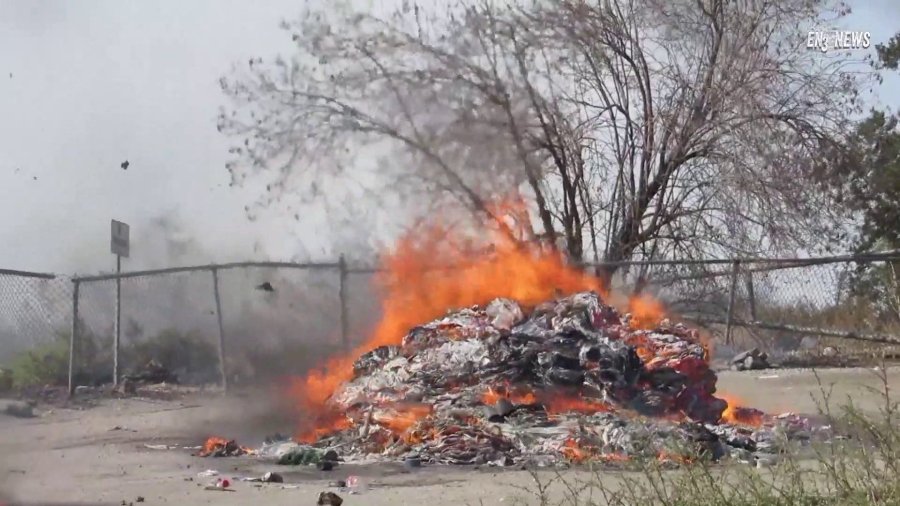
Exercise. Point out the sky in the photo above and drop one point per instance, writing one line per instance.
(86, 85)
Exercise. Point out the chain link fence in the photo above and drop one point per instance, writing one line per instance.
(228, 323)
(780, 305)
(35, 325)
(241, 322)
(35, 310)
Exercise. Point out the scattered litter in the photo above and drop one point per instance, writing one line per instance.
(269, 477)
(412, 462)
(208, 473)
(277, 449)
(338, 484)
(307, 455)
(220, 484)
(751, 360)
(139, 499)
(221, 447)
(218, 489)
(356, 485)
(329, 499)
(151, 372)
(160, 447)
(121, 428)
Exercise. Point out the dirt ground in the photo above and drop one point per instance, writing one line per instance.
(97, 455)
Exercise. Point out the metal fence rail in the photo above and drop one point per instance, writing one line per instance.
(221, 323)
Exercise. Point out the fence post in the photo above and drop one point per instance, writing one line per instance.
(735, 267)
(222, 369)
(342, 294)
(751, 297)
(73, 337)
(118, 330)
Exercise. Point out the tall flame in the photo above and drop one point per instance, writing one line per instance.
(434, 269)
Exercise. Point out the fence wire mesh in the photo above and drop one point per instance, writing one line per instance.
(281, 319)
(35, 310)
(168, 318)
(781, 306)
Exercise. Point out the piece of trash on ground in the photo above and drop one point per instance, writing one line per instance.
(269, 477)
(220, 484)
(751, 360)
(329, 499)
(220, 447)
(160, 447)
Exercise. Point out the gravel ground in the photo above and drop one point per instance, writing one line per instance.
(97, 455)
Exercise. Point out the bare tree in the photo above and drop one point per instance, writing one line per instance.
(644, 128)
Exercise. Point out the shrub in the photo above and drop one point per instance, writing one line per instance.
(47, 364)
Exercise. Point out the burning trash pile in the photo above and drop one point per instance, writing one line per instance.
(571, 380)
(221, 447)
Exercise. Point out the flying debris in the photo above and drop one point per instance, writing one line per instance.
(266, 287)
(125, 165)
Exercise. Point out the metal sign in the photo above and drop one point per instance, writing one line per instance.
(120, 244)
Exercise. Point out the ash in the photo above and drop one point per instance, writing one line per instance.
(572, 381)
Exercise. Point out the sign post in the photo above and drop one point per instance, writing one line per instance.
(120, 246)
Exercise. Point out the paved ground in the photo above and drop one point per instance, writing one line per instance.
(97, 455)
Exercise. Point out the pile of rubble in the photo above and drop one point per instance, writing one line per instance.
(572, 381)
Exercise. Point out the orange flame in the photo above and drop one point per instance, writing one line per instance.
(574, 452)
(215, 443)
(646, 311)
(326, 426)
(737, 414)
(211, 444)
(574, 404)
(417, 286)
(492, 396)
(577, 453)
(401, 420)
(613, 457)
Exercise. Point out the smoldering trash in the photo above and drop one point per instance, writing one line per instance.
(571, 380)
(221, 447)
